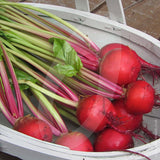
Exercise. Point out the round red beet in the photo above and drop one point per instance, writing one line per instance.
(109, 47)
(93, 112)
(34, 127)
(120, 66)
(111, 140)
(127, 121)
(139, 97)
(75, 141)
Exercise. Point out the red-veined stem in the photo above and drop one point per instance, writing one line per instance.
(8, 91)
(45, 102)
(15, 82)
(87, 55)
(91, 43)
(37, 114)
(6, 112)
(62, 85)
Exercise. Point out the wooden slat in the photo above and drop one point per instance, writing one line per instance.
(82, 5)
(116, 12)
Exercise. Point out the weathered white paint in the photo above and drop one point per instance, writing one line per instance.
(115, 9)
(116, 12)
(82, 5)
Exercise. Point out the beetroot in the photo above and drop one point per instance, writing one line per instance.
(146, 67)
(107, 48)
(127, 121)
(139, 97)
(75, 141)
(34, 127)
(120, 66)
(111, 140)
(94, 112)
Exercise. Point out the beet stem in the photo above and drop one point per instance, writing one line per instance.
(15, 82)
(149, 133)
(37, 114)
(8, 90)
(133, 152)
(6, 112)
(49, 93)
(28, 59)
(99, 80)
(43, 100)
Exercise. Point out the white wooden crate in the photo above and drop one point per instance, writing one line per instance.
(101, 30)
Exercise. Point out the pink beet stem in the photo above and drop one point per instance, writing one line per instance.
(37, 114)
(8, 91)
(15, 82)
(145, 64)
(6, 112)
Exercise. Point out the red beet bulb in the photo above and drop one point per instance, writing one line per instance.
(111, 140)
(127, 121)
(107, 48)
(139, 97)
(34, 127)
(120, 66)
(75, 141)
(94, 112)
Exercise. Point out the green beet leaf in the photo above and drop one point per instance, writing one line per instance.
(66, 70)
(63, 51)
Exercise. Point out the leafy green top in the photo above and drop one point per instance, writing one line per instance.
(63, 51)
